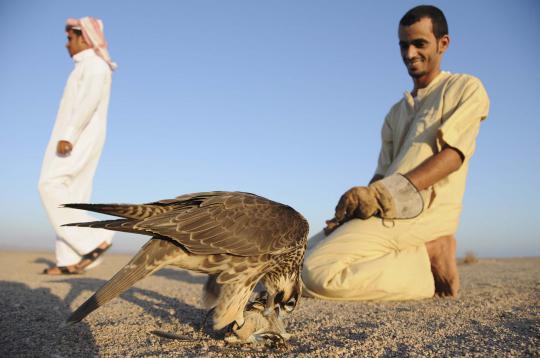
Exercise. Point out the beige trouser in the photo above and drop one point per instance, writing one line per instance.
(374, 260)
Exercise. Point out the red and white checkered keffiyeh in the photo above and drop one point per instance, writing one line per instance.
(92, 31)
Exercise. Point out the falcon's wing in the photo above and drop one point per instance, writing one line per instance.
(222, 222)
(235, 223)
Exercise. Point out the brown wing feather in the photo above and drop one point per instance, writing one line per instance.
(236, 223)
(220, 222)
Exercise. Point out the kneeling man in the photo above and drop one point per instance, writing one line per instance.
(394, 239)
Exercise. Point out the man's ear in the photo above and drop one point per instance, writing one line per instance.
(444, 42)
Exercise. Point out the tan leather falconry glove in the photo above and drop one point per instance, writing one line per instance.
(393, 197)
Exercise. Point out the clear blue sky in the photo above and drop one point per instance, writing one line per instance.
(281, 98)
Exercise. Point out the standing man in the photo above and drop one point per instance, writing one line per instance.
(394, 239)
(75, 146)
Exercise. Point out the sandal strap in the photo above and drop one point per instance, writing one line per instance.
(64, 270)
(91, 257)
(94, 254)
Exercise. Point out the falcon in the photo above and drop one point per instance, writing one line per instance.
(237, 238)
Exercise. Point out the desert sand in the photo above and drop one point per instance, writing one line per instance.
(496, 314)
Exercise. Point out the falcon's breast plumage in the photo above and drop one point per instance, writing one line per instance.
(237, 238)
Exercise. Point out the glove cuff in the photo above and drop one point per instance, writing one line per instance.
(407, 202)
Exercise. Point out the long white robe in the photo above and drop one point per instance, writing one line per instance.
(82, 121)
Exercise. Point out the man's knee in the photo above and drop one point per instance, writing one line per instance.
(313, 282)
(324, 280)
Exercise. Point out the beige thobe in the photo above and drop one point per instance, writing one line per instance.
(376, 259)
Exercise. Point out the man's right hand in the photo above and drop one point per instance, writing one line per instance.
(394, 197)
(358, 202)
(64, 147)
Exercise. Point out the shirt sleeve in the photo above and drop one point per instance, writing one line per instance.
(88, 97)
(460, 128)
(387, 148)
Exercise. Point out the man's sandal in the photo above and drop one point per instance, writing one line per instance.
(63, 270)
(91, 257)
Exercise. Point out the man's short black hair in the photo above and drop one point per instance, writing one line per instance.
(440, 26)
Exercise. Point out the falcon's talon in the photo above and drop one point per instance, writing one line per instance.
(272, 340)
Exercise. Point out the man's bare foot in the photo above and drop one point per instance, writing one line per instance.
(442, 255)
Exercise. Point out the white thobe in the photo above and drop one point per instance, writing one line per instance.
(82, 121)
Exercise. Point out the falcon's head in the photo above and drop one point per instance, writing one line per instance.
(286, 300)
(283, 294)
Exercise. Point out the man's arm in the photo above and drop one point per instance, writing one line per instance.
(435, 168)
(396, 196)
(363, 202)
(88, 97)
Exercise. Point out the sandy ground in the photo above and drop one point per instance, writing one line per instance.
(497, 314)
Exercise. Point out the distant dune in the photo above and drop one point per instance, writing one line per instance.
(497, 314)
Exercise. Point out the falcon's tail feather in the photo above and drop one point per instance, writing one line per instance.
(128, 211)
(154, 255)
(124, 225)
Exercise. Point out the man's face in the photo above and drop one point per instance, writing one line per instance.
(420, 50)
(75, 44)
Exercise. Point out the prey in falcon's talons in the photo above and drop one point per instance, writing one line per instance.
(260, 327)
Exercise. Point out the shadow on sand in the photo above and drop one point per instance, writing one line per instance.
(171, 274)
(159, 306)
(42, 260)
(163, 308)
(31, 325)
(181, 275)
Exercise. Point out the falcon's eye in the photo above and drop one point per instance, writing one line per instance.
(279, 296)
